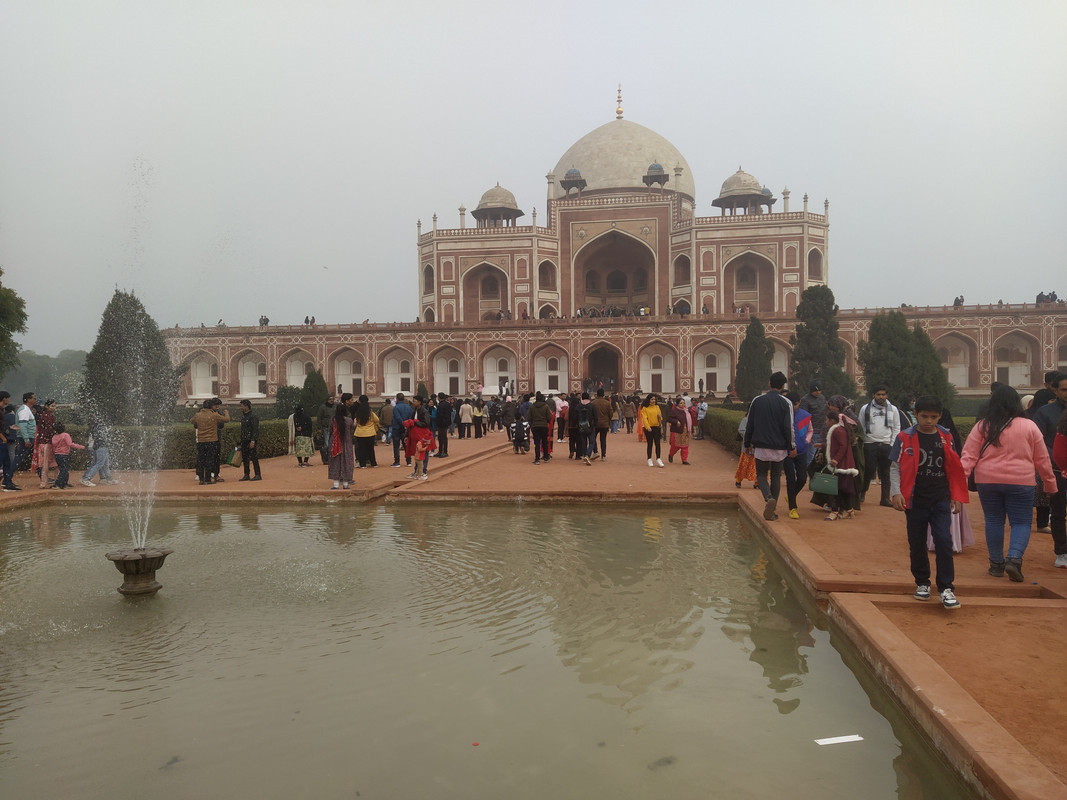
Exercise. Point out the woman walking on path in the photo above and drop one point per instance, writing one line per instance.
(366, 430)
(1003, 450)
(842, 460)
(629, 414)
(342, 455)
(652, 425)
(478, 415)
(681, 427)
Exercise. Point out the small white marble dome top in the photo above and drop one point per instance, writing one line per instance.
(740, 183)
(498, 197)
(617, 155)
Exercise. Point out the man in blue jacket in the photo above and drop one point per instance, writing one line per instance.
(401, 413)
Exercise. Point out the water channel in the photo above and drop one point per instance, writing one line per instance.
(431, 651)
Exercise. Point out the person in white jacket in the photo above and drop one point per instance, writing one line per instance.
(880, 420)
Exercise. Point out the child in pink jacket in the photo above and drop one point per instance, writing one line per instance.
(61, 444)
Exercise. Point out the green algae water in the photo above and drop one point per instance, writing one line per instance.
(429, 651)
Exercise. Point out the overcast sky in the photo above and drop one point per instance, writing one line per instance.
(230, 159)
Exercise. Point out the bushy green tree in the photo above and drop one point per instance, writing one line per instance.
(903, 359)
(129, 379)
(12, 321)
(314, 393)
(753, 361)
(818, 352)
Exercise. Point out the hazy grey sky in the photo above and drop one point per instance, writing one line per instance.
(230, 159)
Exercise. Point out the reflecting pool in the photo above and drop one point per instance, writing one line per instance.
(429, 651)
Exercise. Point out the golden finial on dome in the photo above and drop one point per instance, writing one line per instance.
(618, 110)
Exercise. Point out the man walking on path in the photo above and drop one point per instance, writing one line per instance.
(881, 424)
(603, 422)
(249, 435)
(444, 422)
(1047, 418)
(402, 412)
(770, 437)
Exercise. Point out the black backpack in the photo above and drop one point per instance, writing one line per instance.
(585, 417)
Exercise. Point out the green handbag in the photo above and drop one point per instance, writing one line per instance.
(824, 482)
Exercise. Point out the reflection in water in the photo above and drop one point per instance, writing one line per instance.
(592, 651)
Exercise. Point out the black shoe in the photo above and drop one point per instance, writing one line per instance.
(670, 459)
(245, 478)
(1014, 568)
(886, 504)
(996, 569)
(257, 478)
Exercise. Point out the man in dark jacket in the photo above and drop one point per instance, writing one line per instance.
(770, 437)
(540, 417)
(603, 422)
(444, 422)
(1047, 418)
(249, 436)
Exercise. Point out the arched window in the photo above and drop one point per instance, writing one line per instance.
(502, 365)
(205, 378)
(592, 282)
(711, 361)
(490, 287)
(546, 275)
(814, 266)
(681, 271)
(746, 279)
(640, 280)
(553, 364)
(617, 281)
(427, 315)
(427, 279)
(681, 307)
(252, 377)
(453, 365)
(657, 362)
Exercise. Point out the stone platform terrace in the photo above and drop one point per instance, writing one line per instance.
(982, 682)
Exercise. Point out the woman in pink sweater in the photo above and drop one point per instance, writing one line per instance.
(1003, 450)
(61, 444)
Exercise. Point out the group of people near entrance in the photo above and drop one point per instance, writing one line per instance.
(1014, 458)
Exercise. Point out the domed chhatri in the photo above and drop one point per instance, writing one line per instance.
(617, 155)
(743, 191)
(497, 209)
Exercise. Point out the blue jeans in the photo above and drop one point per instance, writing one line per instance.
(101, 464)
(1000, 500)
(939, 519)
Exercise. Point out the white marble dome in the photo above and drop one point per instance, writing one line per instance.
(617, 156)
(498, 197)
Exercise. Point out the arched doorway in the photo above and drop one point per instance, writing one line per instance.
(749, 283)
(485, 292)
(614, 270)
(601, 370)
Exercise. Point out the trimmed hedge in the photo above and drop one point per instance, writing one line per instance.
(721, 424)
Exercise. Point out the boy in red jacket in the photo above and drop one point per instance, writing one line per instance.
(929, 485)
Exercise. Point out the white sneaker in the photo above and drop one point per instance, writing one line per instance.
(1045, 529)
(659, 462)
(650, 462)
(87, 483)
(948, 599)
(1061, 561)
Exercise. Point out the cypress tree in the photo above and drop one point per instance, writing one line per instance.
(753, 361)
(902, 359)
(818, 352)
(129, 379)
(314, 393)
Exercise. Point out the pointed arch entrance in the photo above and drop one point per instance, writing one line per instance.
(601, 369)
(614, 270)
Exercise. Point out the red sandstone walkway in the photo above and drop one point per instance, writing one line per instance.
(982, 681)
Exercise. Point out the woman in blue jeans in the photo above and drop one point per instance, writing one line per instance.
(1003, 450)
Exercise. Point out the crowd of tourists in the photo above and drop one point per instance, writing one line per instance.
(1014, 459)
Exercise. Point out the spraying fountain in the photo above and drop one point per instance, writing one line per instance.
(130, 381)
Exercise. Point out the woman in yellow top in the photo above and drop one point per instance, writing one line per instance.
(652, 424)
(478, 417)
(366, 432)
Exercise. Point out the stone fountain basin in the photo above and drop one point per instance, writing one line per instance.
(138, 566)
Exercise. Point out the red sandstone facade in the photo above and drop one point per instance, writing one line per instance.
(500, 302)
